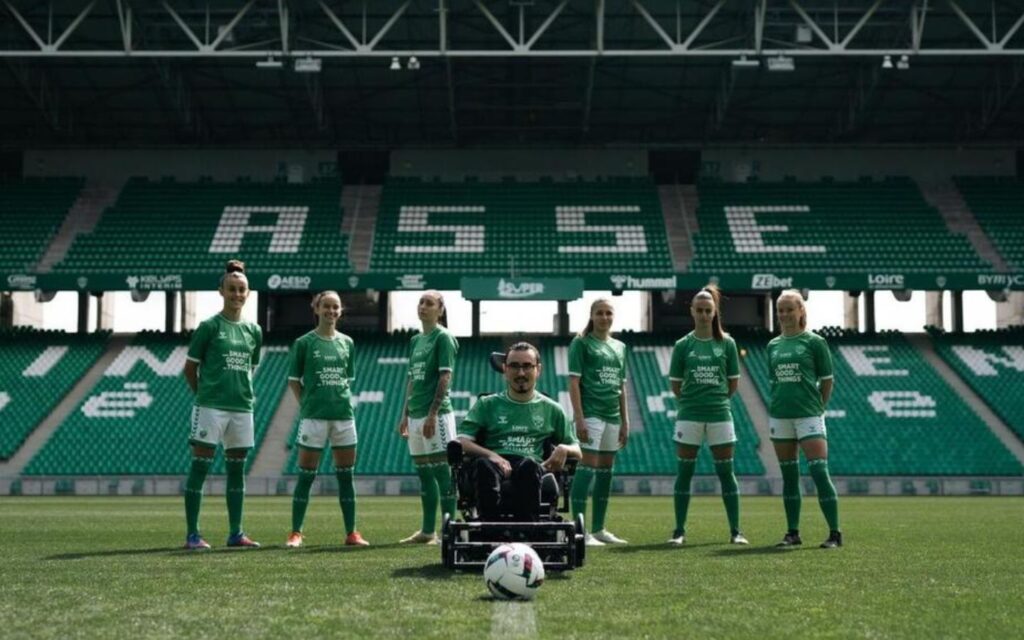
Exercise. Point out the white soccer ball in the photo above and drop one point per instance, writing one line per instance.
(513, 572)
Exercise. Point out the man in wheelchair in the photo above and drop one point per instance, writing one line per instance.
(505, 490)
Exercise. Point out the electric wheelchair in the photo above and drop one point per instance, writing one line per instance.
(466, 543)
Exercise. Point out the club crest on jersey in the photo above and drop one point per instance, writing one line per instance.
(718, 352)
(800, 350)
(538, 421)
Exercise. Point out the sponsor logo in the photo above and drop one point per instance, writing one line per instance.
(149, 283)
(411, 281)
(770, 281)
(830, 281)
(1001, 280)
(288, 282)
(886, 281)
(630, 282)
(21, 281)
(508, 289)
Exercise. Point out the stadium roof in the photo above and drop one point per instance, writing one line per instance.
(509, 72)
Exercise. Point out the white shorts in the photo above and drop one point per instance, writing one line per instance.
(438, 444)
(796, 428)
(603, 437)
(315, 433)
(694, 433)
(214, 426)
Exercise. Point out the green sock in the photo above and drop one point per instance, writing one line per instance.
(347, 497)
(580, 490)
(194, 492)
(235, 493)
(300, 499)
(791, 492)
(730, 492)
(602, 489)
(827, 498)
(684, 477)
(445, 488)
(428, 497)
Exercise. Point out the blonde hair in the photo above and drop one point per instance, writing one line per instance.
(793, 294)
(711, 291)
(590, 320)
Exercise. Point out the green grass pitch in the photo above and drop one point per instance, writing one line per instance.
(912, 568)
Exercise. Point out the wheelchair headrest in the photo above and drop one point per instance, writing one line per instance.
(497, 361)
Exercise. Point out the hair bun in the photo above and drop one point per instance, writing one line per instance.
(234, 266)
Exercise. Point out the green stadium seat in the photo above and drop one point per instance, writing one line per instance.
(998, 206)
(891, 413)
(537, 228)
(136, 419)
(167, 226)
(825, 227)
(37, 368)
(33, 210)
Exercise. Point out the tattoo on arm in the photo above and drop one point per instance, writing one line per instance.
(440, 392)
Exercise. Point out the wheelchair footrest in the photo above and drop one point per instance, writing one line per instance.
(466, 545)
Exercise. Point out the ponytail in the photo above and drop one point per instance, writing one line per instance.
(713, 292)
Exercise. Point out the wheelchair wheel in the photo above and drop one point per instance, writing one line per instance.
(447, 546)
(580, 541)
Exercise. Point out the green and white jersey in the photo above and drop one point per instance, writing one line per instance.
(226, 352)
(517, 428)
(704, 366)
(795, 365)
(325, 368)
(429, 355)
(601, 367)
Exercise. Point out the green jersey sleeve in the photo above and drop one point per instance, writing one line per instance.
(200, 342)
(732, 359)
(576, 349)
(447, 348)
(474, 420)
(822, 359)
(677, 365)
(297, 360)
(563, 434)
(258, 350)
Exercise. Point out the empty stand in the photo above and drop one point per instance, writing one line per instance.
(136, 419)
(826, 227)
(534, 228)
(161, 227)
(997, 204)
(36, 369)
(33, 210)
(992, 364)
(891, 413)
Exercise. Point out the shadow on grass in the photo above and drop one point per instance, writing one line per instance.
(424, 572)
(655, 546)
(740, 552)
(114, 553)
(185, 553)
(341, 548)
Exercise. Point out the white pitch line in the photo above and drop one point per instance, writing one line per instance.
(513, 620)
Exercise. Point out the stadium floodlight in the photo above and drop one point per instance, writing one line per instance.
(781, 63)
(887, 62)
(414, 63)
(307, 65)
(270, 63)
(396, 64)
(743, 62)
(904, 63)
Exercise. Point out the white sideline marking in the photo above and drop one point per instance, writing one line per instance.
(513, 620)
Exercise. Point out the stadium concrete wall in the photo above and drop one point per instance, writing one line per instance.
(112, 166)
(524, 164)
(851, 163)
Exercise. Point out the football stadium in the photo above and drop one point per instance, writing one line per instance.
(512, 318)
